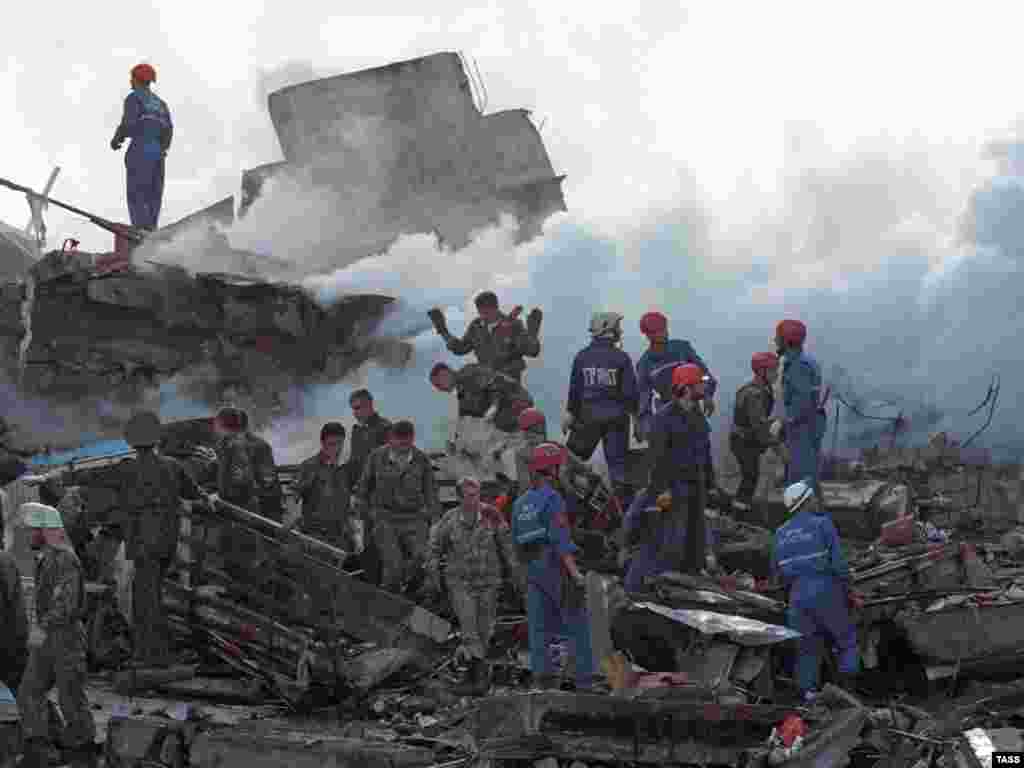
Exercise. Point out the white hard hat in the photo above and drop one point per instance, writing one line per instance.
(606, 324)
(38, 515)
(797, 495)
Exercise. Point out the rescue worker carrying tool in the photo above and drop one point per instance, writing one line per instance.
(808, 558)
(500, 341)
(399, 492)
(654, 371)
(475, 545)
(489, 406)
(556, 597)
(752, 425)
(147, 122)
(324, 488)
(602, 399)
(680, 450)
(805, 422)
(57, 646)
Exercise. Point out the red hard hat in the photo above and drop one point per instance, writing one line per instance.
(529, 418)
(653, 323)
(547, 455)
(144, 73)
(759, 361)
(791, 331)
(687, 375)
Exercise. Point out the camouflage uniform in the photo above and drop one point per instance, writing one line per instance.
(401, 496)
(260, 494)
(14, 638)
(501, 347)
(477, 551)
(60, 660)
(150, 488)
(479, 387)
(750, 435)
(326, 492)
(366, 438)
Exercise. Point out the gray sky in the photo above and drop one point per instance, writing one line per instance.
(727, 162)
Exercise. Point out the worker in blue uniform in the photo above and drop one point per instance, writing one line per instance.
(654, 371)
(809, 561)
(556, 597)
(674, 536)
(805, 422)
(602, 398)
(147, 122)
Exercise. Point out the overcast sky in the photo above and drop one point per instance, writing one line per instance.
(739, 160)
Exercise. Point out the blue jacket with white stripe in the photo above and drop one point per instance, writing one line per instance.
(809, 557)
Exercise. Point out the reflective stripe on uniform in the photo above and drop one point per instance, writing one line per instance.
(798, 558)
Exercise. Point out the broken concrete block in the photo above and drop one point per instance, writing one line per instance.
(373, 668)
(143, 740)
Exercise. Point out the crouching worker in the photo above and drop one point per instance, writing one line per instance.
(56, 646)
(556, 598)
(808, 559)
(476, 547)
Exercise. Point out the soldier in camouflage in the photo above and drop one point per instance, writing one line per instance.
(246, 472)
(324, 487)
(751, 433)
(57, 646)
(500, 341)
(399, 492)
(369, 433)
(476, 547)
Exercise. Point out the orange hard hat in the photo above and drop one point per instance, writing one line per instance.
(688, 375)
(791, 331)
(760, 361)
(144, 73)
(653, 323)
(547, 455)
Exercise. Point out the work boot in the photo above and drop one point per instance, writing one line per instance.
(36, 754)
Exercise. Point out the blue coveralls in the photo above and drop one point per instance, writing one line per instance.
(809, 559)
(538, 517)
(654, 377)
(147, 122)
(662, 538)
(805, 421)
(602, 395)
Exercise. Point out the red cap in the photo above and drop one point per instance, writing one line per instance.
(791, 331)
(653, 323)
(144, 73)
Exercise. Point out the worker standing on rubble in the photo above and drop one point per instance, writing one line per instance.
(752, 425)
(370, 432)
(324, 487)
(247, 474)
(500, 341)
(680, 451)
(57, 646)
(808, 558)
(805, 422)
(399, 491)
(14, 619)
(602, 398)
(654, 371)
(476, 547)
(556, 597)
(147, 122)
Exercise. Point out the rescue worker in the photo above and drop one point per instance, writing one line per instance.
(556, 598)
(247, 474)
(602, 399)
(496, 399)
(475, 545)
(808, 559)
(654, 371)
(147, 122)
(10, 727)
(752, 425)
(324, 487)
(57, 646)
(680, 451)
(499, 341)
(805, 422)
(149, 491)
(399, 491)
(369, 433)
(14, 619)
(534, 430)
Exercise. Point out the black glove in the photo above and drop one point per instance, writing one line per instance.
(533, 321)
(440, 324)
(115, 144)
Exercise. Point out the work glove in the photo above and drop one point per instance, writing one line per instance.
(664, 502)
(491, 413)
(709, 408)
(212, 499)
(533, 321)
(579, 578)
(115, 144)
(567, 422)
(517, 310)
(36, 637)
(775, 429)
